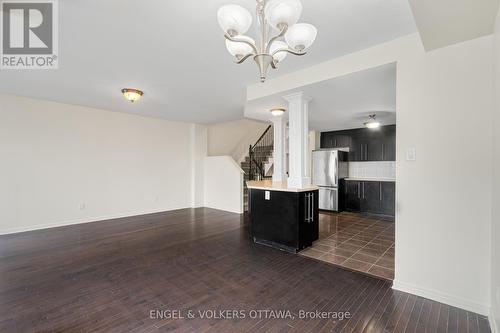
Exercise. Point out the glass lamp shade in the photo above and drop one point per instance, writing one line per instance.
(301, 36)
(372, 124)
(279, 12)
(234, 19)
(132, 95)
(278, 112)
(278, 45)
(239, 49)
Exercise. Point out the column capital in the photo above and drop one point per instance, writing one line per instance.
(297, 96)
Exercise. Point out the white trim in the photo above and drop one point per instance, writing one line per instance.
(493, 322)
(85, 220)
(438, 296)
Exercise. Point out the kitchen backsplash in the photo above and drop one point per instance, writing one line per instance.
(372, 169)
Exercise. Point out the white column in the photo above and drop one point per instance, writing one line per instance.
(279, 174)
(298, 117)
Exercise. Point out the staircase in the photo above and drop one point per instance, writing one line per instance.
(258, 163)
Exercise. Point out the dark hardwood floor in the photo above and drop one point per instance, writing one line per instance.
(108, 276)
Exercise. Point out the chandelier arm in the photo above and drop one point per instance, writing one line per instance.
(281, 34)
(239, 61)
(289, 51)
(232, 39)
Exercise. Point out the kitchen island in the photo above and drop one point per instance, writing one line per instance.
(282, 217)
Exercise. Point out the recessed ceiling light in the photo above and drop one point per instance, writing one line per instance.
(132, 95)
(278, 112)
(372, 123)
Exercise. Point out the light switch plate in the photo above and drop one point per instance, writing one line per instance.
(411, 154)
(267, 195)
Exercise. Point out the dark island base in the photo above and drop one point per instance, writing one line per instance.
(287, 221)
(278, 246)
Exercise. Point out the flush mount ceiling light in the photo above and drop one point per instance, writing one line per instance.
(276, 18)
(132, 95)
(372, 123)
(277, 112)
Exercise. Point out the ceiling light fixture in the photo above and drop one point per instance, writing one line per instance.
(277, 112)
(372, 123)
(280, 15)
(132, 95)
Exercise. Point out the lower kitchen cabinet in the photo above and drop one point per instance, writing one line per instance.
(352, 195)
(370, 197)
(388, 198)
(371, 200)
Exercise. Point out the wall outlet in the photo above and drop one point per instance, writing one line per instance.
(83, 206)
(267, 195)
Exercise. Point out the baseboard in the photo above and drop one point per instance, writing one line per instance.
(85, 220)
(438, 296)
(493, 323)
(226, 209)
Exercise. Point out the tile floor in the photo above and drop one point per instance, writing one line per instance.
(357, 242)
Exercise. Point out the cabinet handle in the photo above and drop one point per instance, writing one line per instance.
(383, 152)
(359, 190)
(380, 191)
(306, 203)
(312, 208)
(309, 207)
(363, 190)
(366, 152)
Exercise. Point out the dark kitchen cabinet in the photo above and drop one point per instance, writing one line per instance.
(340, 139)
(389, 144)
(353, 195)
(370, 197)
(364, 144)
(288, 221)
(388, 198)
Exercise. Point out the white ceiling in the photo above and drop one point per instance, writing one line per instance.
(174, 51)
(446, 22)
(341, 103)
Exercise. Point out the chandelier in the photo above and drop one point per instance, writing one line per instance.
(277, 20)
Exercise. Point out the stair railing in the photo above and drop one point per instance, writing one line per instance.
(258, 154)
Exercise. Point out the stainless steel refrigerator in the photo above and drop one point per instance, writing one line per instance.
(329, 167)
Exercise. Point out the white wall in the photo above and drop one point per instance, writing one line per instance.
(223, 184)
(444, 105)
(444, 108)
(233, 138)
(63, 164)
(495, 231)
(199, 153)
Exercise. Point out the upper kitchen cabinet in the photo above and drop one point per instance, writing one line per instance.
(389, 143)
(364, 144)
(339, 139)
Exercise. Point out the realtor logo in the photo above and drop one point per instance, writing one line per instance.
(29, 34)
